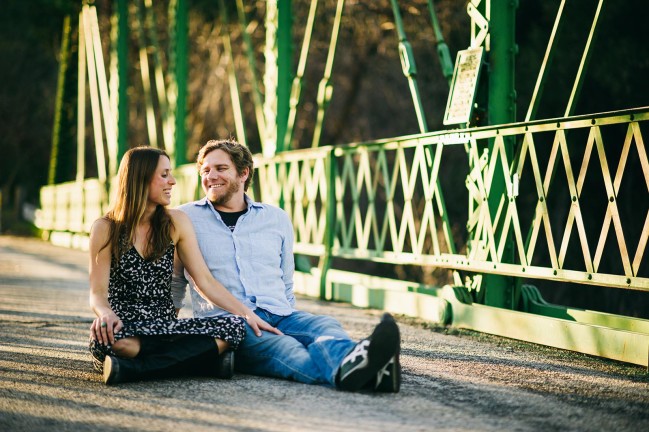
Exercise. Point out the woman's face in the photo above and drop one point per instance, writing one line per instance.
(161, 183)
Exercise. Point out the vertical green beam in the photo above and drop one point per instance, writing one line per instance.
(252, 67)
(284, 73)
(122, 74)
(237, 109)
(324, 263)
(180, 63)
(143, 47)
(277, 77)
(81, 102)
(499, 290)
(158, 79)
(58, 108)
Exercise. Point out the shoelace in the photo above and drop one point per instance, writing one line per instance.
(384, 372)
(359, 350)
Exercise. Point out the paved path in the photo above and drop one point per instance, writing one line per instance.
(453, 381)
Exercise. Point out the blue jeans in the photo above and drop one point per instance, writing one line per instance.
(310, 351)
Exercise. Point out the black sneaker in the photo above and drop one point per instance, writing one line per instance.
(370, 356)
(388, 379)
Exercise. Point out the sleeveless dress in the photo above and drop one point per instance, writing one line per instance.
(139, 292)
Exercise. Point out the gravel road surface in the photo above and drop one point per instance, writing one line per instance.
(452, 380)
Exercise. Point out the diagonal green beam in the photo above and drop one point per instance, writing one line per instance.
(409, 67)
(252, 67)
(296, 89)
(583, 64)
(325, 89)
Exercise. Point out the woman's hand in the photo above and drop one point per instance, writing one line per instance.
(257, 324)
(103, 328)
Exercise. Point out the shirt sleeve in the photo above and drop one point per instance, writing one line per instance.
(288, 260)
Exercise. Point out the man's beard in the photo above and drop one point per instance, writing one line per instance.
(224, 197)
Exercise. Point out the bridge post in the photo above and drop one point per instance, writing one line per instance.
(119, 86)
(62, 163)
(178, 53)
(277, 76)
(501, 291)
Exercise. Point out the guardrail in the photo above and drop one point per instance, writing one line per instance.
(388, 200)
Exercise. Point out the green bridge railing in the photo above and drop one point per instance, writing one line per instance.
(382, 201)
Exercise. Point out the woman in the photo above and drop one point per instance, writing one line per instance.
(136, 334)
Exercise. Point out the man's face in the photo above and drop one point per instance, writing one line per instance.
(220, 180)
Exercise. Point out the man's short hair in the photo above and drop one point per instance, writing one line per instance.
(239, 154)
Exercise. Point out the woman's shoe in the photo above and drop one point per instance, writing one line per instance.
(225, 365)
(187, 355)
(111, 370)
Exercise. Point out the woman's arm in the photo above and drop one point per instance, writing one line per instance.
(211, 289)
(99, 269)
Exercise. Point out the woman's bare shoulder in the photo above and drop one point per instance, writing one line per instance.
(101, 226)
(178, 216)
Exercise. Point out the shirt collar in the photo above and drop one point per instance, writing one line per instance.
(249, 202)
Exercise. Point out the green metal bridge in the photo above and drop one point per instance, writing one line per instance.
(465, 219)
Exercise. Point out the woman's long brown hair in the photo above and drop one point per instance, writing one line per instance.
(136, 170)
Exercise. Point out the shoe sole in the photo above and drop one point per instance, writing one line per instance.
(392, 383)
(384, 344)
(109, 367)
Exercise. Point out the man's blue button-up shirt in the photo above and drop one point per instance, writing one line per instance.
(254, 262)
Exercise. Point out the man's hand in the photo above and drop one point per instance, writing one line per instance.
(257, 324)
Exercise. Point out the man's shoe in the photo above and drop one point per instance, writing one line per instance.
(388, 379)
(370, 356)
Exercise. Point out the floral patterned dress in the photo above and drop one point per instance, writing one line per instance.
(139, 292)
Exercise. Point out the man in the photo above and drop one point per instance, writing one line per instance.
(248, 247)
